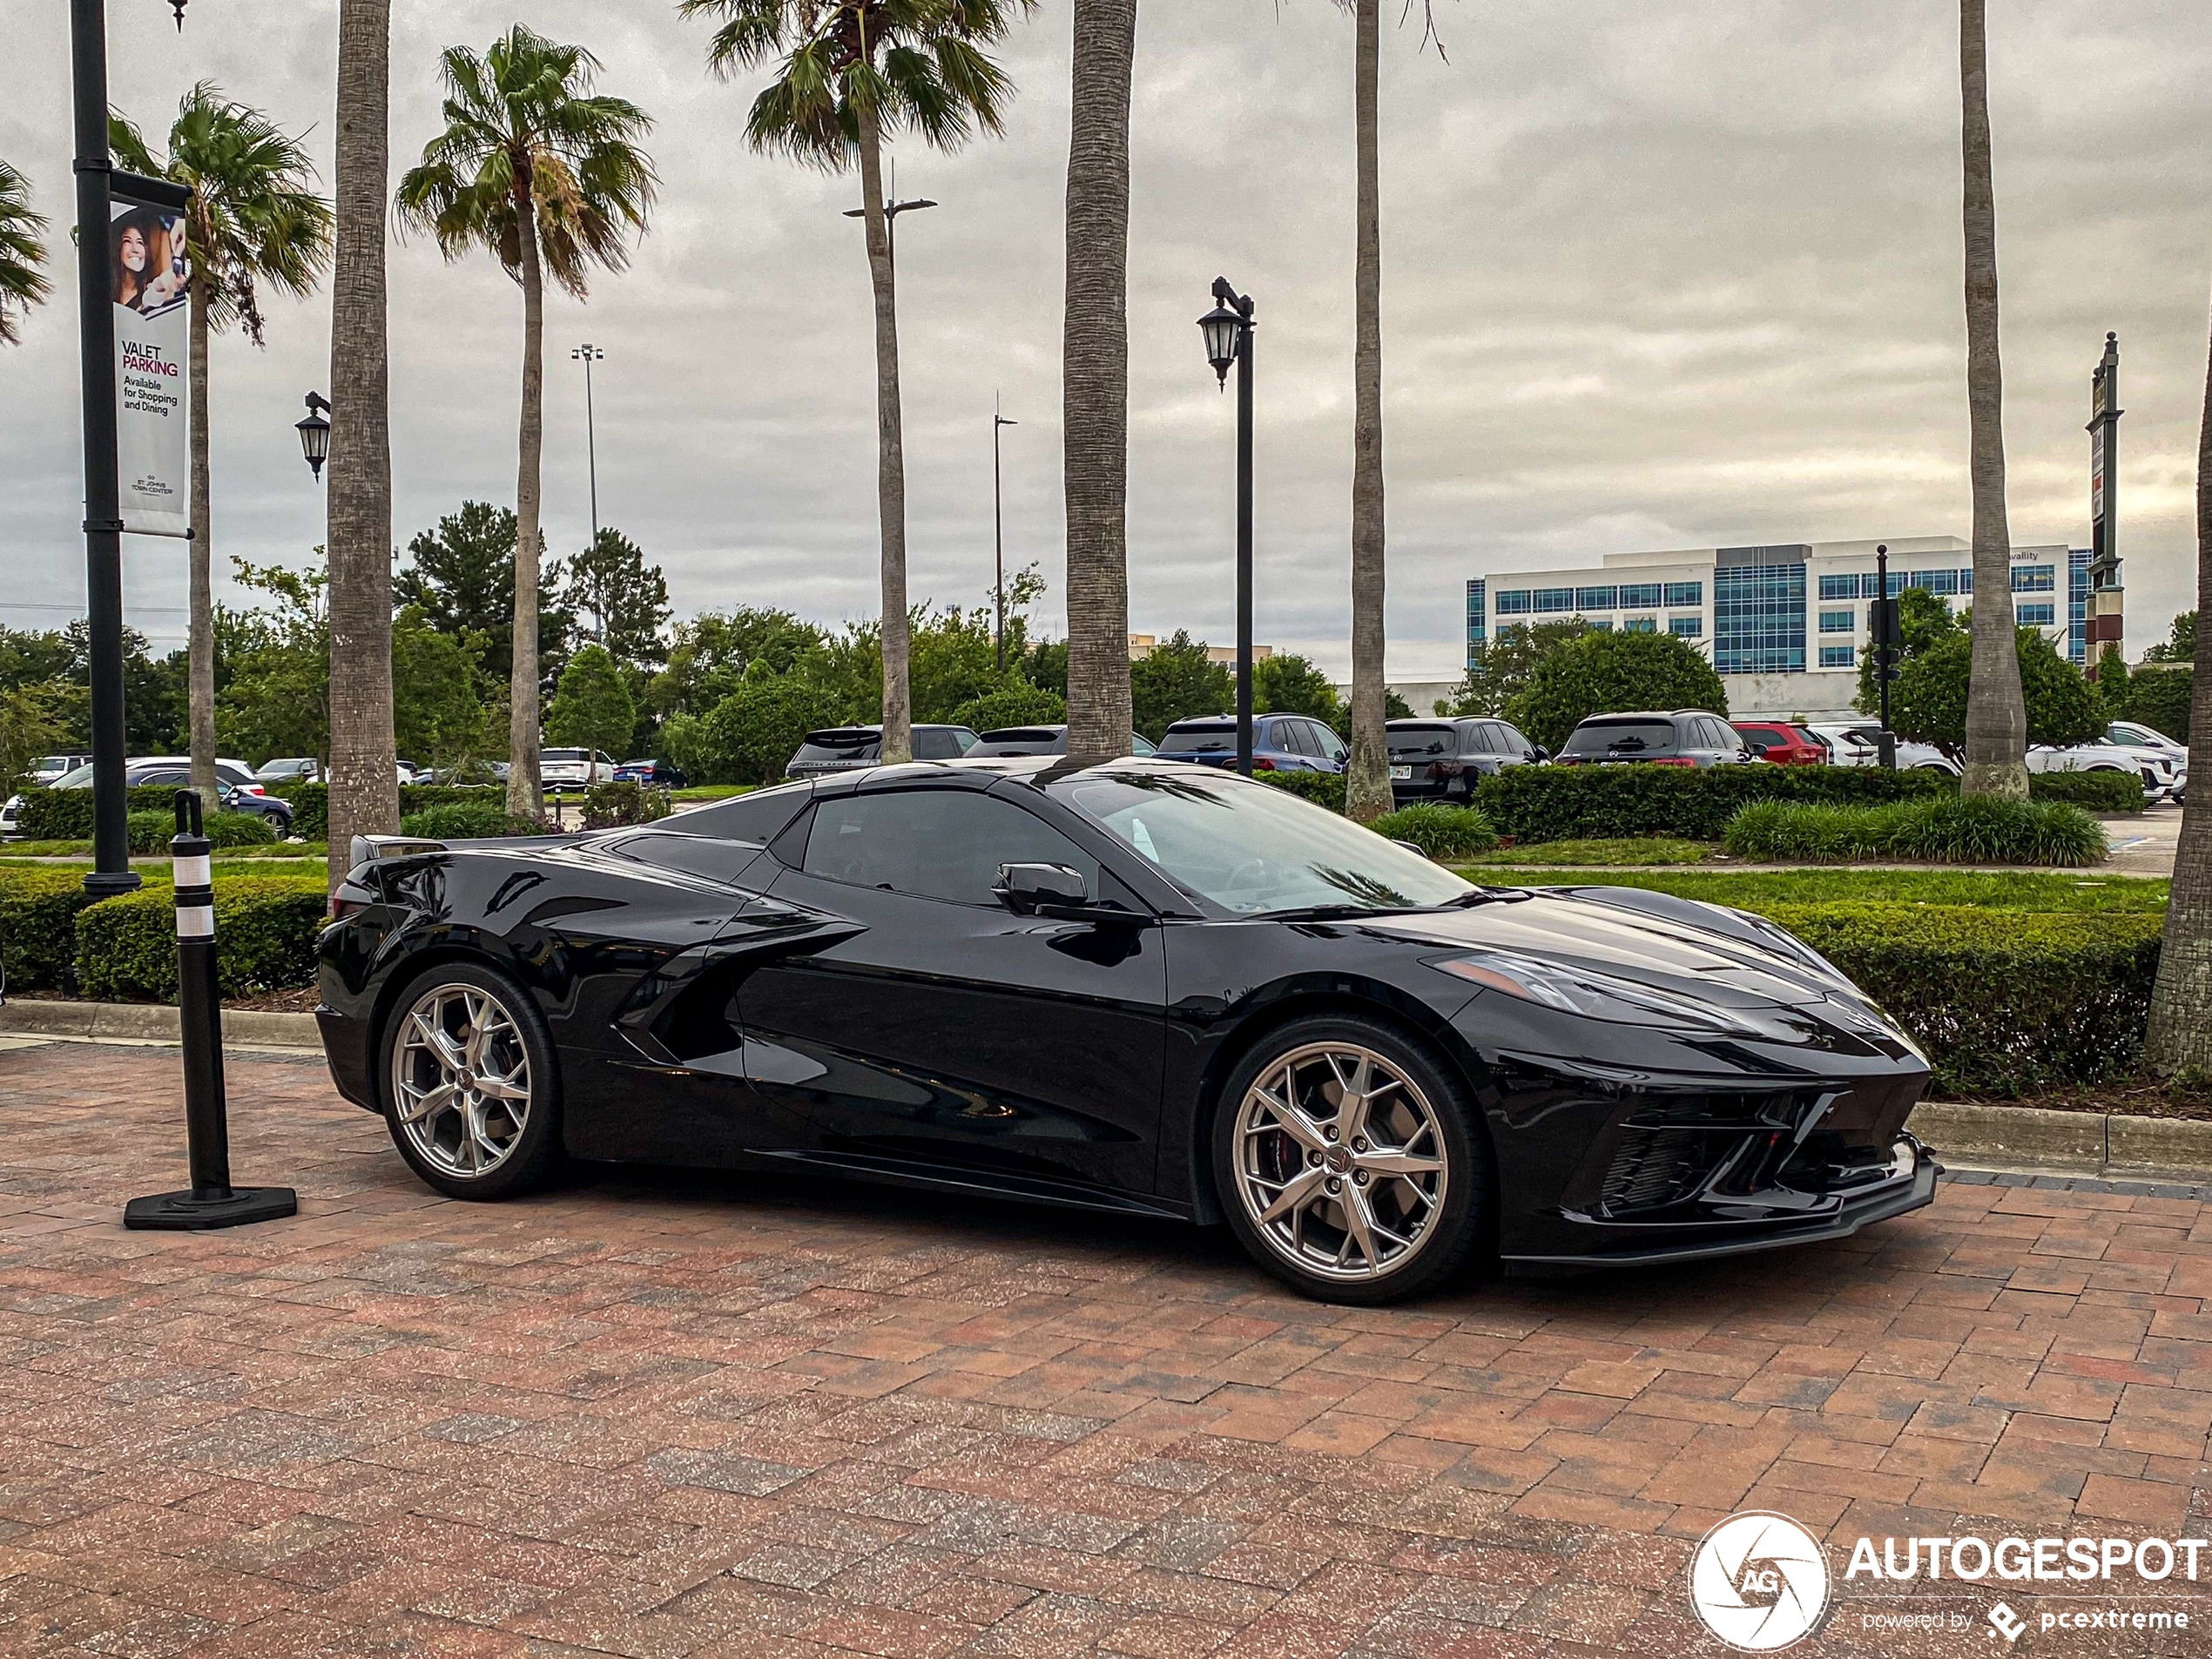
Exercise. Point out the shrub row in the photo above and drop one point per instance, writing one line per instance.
(265, 939)
(1322, 788)
(607, 805)
(1443, 833)
(153, 832)
(38, 927)
(1620, 802)
(2093, 791)
(2003, 1001)
(66, 814)
(1944, 830)
(468, 820)
(311, 802)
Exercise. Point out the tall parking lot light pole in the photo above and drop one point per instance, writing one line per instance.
(998, 526)
(588, 354)
(1888, 647)
(1228, 331)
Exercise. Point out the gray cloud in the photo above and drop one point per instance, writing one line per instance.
(1653, 276)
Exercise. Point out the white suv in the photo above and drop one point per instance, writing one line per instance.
(565, 769)
(2135, 735)
(1858, 743)
(2163, 776)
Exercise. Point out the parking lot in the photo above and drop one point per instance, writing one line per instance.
(664, 1415)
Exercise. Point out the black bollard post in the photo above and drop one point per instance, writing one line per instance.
(211, 1201)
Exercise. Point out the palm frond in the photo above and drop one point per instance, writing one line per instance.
(23, 284)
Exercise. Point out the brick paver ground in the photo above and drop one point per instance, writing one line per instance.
(668, 1415)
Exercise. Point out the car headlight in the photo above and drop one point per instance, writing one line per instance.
(1591, 994)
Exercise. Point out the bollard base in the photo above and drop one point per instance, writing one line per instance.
(182, 1212)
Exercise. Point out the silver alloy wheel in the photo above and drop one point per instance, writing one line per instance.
(1340, 1162)
(460, 1080)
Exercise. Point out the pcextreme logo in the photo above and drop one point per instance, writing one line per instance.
(1759, 1581)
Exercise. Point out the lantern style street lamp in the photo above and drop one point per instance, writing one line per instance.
(1228, 331)
(314, 434)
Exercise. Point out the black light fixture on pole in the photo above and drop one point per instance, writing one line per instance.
(890, 211)
(588, 354)
(998, 526)
(314, 434)
(1889, 640)
(1228, 331)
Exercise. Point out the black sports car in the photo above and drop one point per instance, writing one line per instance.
(1142, 987)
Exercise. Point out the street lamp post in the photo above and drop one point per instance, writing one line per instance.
(588, 354)
(998, 526)
(890, 211)
(314, 434)
(111, 873)
(1228, 331)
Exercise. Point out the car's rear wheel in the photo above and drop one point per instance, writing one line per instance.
(471, 1091)
(1350, 1162)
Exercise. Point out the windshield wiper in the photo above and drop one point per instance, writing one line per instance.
(1340, 912)
(1487, 895)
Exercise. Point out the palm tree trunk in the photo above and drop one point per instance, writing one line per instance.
(524, 789)
(1095, 382)
(890, 450)
(200, 656)
(364, 781)
(1996, 712)
(2181, 1002)
(1367, 776)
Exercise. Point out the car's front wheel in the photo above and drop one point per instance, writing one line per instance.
(471, 1091)
(1351, 1163)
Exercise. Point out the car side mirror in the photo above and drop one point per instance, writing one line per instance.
(1027, 888)
(1758, 749)
(1540, 752)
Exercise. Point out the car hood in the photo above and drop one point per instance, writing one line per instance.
(1689, 949)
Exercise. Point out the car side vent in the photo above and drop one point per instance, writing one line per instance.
(1659, 1166)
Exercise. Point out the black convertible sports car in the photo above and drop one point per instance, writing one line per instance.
(1142, 987)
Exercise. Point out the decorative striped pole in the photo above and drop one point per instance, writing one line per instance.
(211, 1201)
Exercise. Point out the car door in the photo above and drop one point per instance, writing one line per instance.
(947, 1033)
(1333, 753)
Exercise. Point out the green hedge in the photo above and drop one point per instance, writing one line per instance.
(607, 805)
(467, 820)
(1442, 832)
(2093, 791)
(2003, 1002)
(1944, 830)
(1620, 802)
(1322, 788)
(265, 939)
(311, 803)
(66, 814)
(153, 832)
(38, 927)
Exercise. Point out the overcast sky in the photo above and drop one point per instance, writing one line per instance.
(1654, 276)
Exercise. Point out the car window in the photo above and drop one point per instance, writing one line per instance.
(1628, 739)
(755, 817)
(935, 743)
(560, 755)
(934, 843)
(1409, 743)
(1481, 740)
(1200, 737)
(1292, 736)
(1331, 746)
(715, 859)
(1511, 738)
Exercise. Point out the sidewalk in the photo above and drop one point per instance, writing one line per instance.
(669, 1416)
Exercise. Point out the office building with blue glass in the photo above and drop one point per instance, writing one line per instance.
(1783, 625)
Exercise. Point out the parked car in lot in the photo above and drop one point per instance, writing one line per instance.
(1858, 743)
(49, 767)
(299, 768)
(1041, 740)
(561, 770)
(2133, 734)
(1780, 744)
(1117, 989)
(657, 773)
(1443, 759)
(2163, 778)
(239, 790)
(848, 748)
(1280, 743)
(471, 773)
(1660, 737)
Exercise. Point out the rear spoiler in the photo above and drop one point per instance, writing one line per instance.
(366, 849)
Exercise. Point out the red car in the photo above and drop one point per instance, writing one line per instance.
(1783, 746)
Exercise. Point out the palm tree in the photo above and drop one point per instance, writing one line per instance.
(2179, 1040)
(1094, 380)
(364, 781)
(549, 177)
(1996, 712)
(854, 73)
(254, 219)
(23, 284)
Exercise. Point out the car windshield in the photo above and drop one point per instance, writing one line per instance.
(1621, 737)
(838, 745)
(80, 778)
(1419, 742)
(1200, 738)
(1255, 849)
(560, 755)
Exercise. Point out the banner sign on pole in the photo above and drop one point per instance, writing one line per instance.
(153, 342)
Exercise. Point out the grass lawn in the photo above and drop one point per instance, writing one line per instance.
(1645, 850)
(1758, 890)
(713, 792)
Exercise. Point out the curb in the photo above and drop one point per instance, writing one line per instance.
(2033, 1138)
(152, 1023)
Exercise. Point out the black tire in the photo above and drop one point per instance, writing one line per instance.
(532, 1154)
(1447, 1236)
